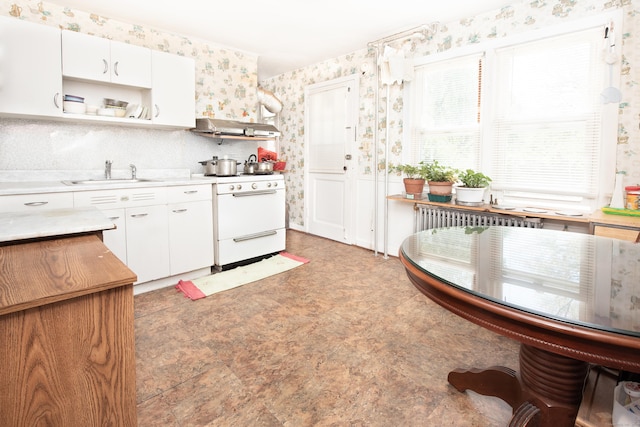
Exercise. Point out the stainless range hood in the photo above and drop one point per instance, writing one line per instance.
(219, 128)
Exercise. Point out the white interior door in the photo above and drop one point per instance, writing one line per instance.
(331, 118)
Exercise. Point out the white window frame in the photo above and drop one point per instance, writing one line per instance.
(608, 140)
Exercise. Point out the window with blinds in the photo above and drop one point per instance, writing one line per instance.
(545, 127)
(529, 115)
(446, 113)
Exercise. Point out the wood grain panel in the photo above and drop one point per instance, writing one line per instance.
(69, 362)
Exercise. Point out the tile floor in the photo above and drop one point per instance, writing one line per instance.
(345, 340)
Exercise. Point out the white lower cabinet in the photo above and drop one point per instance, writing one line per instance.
(142, 238)
(190, 227)
(35, 202)
(116, 239)
(148, 242)
(190, 236)
(160, 231)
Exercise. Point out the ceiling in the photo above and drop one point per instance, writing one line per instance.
(285, 34)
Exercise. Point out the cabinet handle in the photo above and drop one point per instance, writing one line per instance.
(157, 110)
(106, 66)
(179, 210)
(139, 215)
(35, 203)
(114, 218)
(191, 192)
(115, 69)
(55, 99)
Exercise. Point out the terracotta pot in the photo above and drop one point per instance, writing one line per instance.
(413, 186)
(440, 188)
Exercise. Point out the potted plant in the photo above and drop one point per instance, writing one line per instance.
(473, 187)
(415, 177)
(440, 179)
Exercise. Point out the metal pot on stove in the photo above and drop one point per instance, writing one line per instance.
(264, 167)
(220, 167)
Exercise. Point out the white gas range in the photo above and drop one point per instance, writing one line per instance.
(248, 217)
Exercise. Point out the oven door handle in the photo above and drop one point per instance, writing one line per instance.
(254, 236)
(254, 193)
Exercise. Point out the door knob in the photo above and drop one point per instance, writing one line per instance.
(348, 157)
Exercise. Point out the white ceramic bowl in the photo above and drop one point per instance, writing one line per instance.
(74, 107)
(109, 112)
(92, 109)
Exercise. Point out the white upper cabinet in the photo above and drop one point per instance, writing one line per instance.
(30, 69)
(96, 59)
(39, 64)
(173, 96)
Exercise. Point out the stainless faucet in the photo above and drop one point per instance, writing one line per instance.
(107, 169)
(133, 170)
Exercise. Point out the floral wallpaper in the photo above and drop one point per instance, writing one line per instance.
(226, 80)
(516, 18)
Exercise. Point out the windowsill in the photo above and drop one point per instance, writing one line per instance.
(597, 217)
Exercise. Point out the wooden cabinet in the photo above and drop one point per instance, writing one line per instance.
(101, 60)
(30, 69)
(190, 228)
(630, 234)
(67, 333)
(35, 202)
(173, 93)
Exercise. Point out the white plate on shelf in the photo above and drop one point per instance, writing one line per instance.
(534, 210)
(569, 213)
(504, 208)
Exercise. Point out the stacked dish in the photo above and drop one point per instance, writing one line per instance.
(113, 108)
(73, 104)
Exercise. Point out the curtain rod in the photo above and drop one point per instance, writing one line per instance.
(424, 30)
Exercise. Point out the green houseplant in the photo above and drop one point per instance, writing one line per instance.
(415, 177)
(473, 187)
(440, 179)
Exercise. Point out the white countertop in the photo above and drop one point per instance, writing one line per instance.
(57, 222)
(33, 182)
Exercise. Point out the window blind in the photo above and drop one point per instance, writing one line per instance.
(545, 132)
(527, 113)
(446, 112)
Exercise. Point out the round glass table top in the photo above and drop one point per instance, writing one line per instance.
(575, 278)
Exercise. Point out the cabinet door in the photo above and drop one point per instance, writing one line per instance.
(35, 202)
(190, 236)
(116, 240)
(30, 69)
(173, 91)
(148, 242)
(85, 57)
(130, 65)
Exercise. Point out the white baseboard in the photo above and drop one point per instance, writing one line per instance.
(141, 288)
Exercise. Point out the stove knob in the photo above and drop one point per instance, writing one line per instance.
(254, 185)
(239, 187)
(275, 184)
(268, 185)
(231, 187)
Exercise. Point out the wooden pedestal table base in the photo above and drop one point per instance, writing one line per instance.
(546, 392)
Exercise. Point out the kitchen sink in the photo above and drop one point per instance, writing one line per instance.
(107, 181)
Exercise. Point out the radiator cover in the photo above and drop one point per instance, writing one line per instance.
(428, 217)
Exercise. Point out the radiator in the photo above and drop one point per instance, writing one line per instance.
(428, 217)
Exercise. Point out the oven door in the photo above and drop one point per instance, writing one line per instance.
(249, 225)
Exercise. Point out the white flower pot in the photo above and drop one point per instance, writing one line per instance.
(470, 195)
